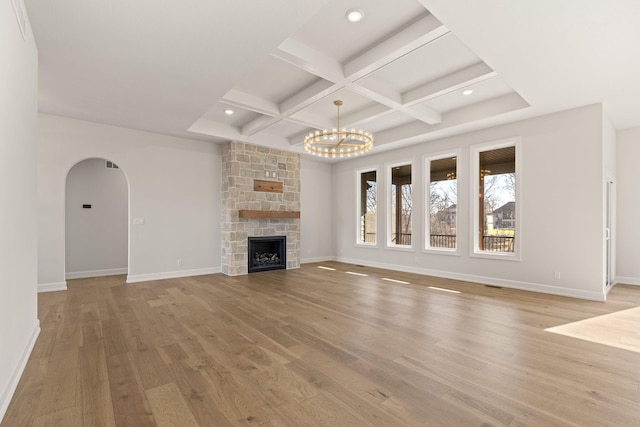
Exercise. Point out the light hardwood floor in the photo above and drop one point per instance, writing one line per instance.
(315, 347)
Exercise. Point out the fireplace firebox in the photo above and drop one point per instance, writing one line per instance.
(267, 253)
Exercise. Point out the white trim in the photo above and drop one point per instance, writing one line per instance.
(622, 280)
(95, 273)
(317, 259)
(476, 149)
(494, 281)
(359, 172)
(401, 248)
(442, 251)
(52, 287)
(7, 393)
(172, 274)
(426, 178)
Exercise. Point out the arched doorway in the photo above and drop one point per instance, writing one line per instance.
(96, 220)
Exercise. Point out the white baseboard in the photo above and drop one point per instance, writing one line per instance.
(318, 259)
(628, 280)
(52, 287)
(171, 274)
(7, 393)
(513, 284)
(95, 273)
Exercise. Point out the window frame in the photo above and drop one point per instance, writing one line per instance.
(426, 161)
(388, 182)
(359, 173)
(476, 149)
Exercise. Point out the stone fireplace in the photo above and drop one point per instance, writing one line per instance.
(260, 198)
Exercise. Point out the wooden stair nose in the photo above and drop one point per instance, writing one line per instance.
(247, 213)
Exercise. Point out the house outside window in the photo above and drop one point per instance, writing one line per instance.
(442, 203)
(399, 205)
(367, 185)
(496, 199)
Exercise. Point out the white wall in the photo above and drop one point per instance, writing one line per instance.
(562, 208)
(96, 240)
(628, 207)
(19, 325)
(316, 222)
(174, 187)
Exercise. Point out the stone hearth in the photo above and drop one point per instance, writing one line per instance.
(243, 164)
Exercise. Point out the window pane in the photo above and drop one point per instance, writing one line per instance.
(401, 205)
(497, 200)
(443, 199)
(368, 207)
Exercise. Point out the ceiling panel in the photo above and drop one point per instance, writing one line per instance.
(239, 118)
(430, 62)
(275, 81)
(330, 33)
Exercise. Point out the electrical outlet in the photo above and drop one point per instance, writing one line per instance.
(179, 261)
(557, 275)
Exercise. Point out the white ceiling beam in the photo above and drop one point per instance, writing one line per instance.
(258, 124)
(310, 60)
(373, 87)
(366, 115)
(304, 118)
(485, 109)
(449, 83)
(425, 114)
(418, 34)
(209, 127)
(251, 102)
(400, 133)
(308, 96)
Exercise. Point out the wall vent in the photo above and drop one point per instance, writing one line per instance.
(110, 165)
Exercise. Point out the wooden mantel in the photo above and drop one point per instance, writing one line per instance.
(246, 213)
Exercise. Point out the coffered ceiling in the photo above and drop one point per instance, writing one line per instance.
(404, 72)
(401, 73)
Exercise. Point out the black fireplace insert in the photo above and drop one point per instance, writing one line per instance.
(267, 253)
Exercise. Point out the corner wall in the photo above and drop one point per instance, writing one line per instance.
(316, 239)
(174, 192)
(19, 325)
(562, 208)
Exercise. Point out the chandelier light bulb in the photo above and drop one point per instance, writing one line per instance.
(338, 141)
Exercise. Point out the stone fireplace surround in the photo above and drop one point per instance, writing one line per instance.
(242, 164)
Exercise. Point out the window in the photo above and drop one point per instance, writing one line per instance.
(496, 207)
(367, 207)
(442, 202)
(400, 205)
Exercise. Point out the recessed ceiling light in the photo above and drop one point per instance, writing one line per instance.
(467, 92)
(354, 15)
(229, 111)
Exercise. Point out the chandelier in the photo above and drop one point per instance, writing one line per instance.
(338, 142)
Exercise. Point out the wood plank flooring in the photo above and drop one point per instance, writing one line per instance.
(317, 347)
